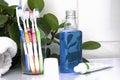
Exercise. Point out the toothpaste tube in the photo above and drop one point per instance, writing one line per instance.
(90, 67)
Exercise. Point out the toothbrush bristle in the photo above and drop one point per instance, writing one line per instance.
(36, 13)
(26, 9)
(31, 12)
(26, 13)
(19, 7)
(20, 12)
(36, 9)
(31, 15)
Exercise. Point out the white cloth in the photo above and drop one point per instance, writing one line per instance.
(8, 49)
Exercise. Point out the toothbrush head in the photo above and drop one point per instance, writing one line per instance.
(18, 15)
(36, 13)
(36, 9)
(26, 9)
(19, 11)
(31, 15)
(19, 7)
(26, 14)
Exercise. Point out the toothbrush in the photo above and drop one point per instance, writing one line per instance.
(27, 21)
(32, 39)
(29, 45)
(18, 14)
(34, 43)
(36, 15)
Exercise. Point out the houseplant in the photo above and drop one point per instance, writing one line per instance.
(48, 23)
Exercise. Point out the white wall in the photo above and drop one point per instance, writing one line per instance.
(58, 7)
(17, 2)
(100, 19)
(13, 2)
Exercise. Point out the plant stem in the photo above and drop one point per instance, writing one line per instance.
(52, 37)
(53, 34)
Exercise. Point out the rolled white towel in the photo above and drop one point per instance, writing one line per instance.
(8, 49)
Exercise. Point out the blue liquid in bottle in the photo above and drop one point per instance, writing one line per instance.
(70, 49)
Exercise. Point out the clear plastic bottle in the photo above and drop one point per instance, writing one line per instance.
(70, 44)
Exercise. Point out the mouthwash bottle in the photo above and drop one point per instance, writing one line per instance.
(70, 44)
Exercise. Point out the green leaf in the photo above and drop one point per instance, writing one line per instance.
(10, 10)
(55, 41)
(90, 45)
(36, 4)
(3, 19)
(14, 33)
(51, 21)
(2, 2)
(0, 9)
(48, 41)
(1, 30)
(7, 9)
(84, 60)
(61, 25)
(43, 26)
(57, 35)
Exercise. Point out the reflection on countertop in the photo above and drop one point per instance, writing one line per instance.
(106, 74)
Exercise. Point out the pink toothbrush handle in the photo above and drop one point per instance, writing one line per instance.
(33, 37)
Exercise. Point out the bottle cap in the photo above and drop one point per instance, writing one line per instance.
(51, 70)
(70, 13)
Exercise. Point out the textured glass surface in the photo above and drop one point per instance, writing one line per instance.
(70, 50)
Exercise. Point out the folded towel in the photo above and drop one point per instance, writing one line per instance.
(8, 50)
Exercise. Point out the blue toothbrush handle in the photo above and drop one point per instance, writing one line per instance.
(22, 35)
(26, 63)
(25, 51)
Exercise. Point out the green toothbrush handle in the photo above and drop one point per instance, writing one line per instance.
(38, 36)
(40, 50)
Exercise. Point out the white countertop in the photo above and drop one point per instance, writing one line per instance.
(106, 74)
